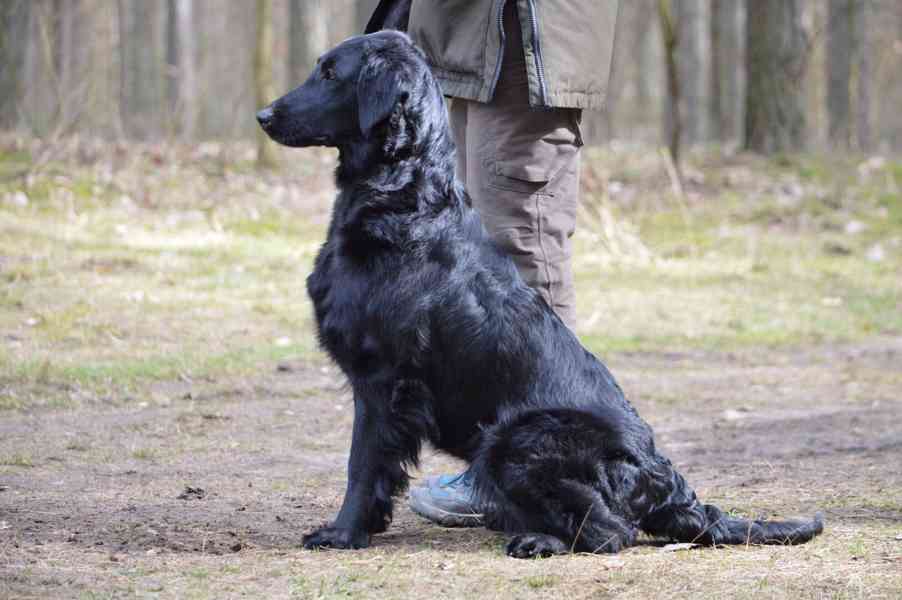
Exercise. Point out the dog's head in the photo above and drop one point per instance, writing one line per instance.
(359, 91)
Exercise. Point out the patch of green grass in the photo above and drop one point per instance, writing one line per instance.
(10, 402)
(299, 586)
(16, 460)
(888, 500)
(542, 581)
(145, 453)
(198, 573)
(264, 227)
(13, 163)
(895, 171)
(858, 549)
(131, 371)
(63, 322)
(280, 486)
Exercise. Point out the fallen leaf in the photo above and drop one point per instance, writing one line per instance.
(855, 227)
(18, 198)
(876, 253)
(613, 563)
(677, 547)
(735, 414)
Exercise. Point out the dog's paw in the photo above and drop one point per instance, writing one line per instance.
(336, 537)
(531, 545)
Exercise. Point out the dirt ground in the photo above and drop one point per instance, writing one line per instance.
(207, 492)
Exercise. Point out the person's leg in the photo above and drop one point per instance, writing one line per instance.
(457, 114)
(521, 168)
(523, 176)
(526, 193)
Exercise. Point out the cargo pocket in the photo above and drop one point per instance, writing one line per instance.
(528, 160)
(523, 175)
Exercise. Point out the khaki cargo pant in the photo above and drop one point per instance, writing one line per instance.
(521, 168)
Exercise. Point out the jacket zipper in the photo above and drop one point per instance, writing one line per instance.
(537, 52)
(500, 48)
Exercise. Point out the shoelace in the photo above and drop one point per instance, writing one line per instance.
(464, 479)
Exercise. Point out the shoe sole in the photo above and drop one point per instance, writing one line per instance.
(438, 515)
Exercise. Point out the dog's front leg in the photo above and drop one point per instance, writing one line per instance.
(374, 476)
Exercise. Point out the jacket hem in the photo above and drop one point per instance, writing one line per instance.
(458, 85)
(592, 101)
(460, 88)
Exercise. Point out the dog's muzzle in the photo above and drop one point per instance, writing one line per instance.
(265, 118)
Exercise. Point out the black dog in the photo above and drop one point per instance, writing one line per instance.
(442, 341)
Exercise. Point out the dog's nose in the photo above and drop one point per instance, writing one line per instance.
(264, 117)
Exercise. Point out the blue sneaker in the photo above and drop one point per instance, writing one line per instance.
(446, 500)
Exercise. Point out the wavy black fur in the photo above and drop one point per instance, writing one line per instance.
(442, 341)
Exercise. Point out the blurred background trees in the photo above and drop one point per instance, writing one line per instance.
(768, 76)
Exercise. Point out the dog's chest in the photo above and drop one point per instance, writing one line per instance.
(346, 299)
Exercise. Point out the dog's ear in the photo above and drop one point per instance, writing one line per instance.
(390, 14)
(381, 87)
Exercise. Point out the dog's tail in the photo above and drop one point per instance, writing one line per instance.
(743, 531)
(685, 519)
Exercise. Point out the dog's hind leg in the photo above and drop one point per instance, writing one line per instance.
(574, 517)
(571, 518)
(544, 478)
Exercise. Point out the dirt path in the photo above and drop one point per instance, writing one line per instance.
(207, 492)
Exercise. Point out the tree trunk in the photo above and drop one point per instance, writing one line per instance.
(641, 53)
(265, 93)
(181, 75)
(839, 71)
(172, 69)
(673, 123)
(616, 81)
(64, 48)
(776, 56)
(142, 83)
(862, 60)
(726, 70)
(717, 60)
(308, 37)
(14, 24)
(297, 42)
(692, 55)
(39, 103)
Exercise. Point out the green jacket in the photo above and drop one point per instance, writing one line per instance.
(568, 46)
